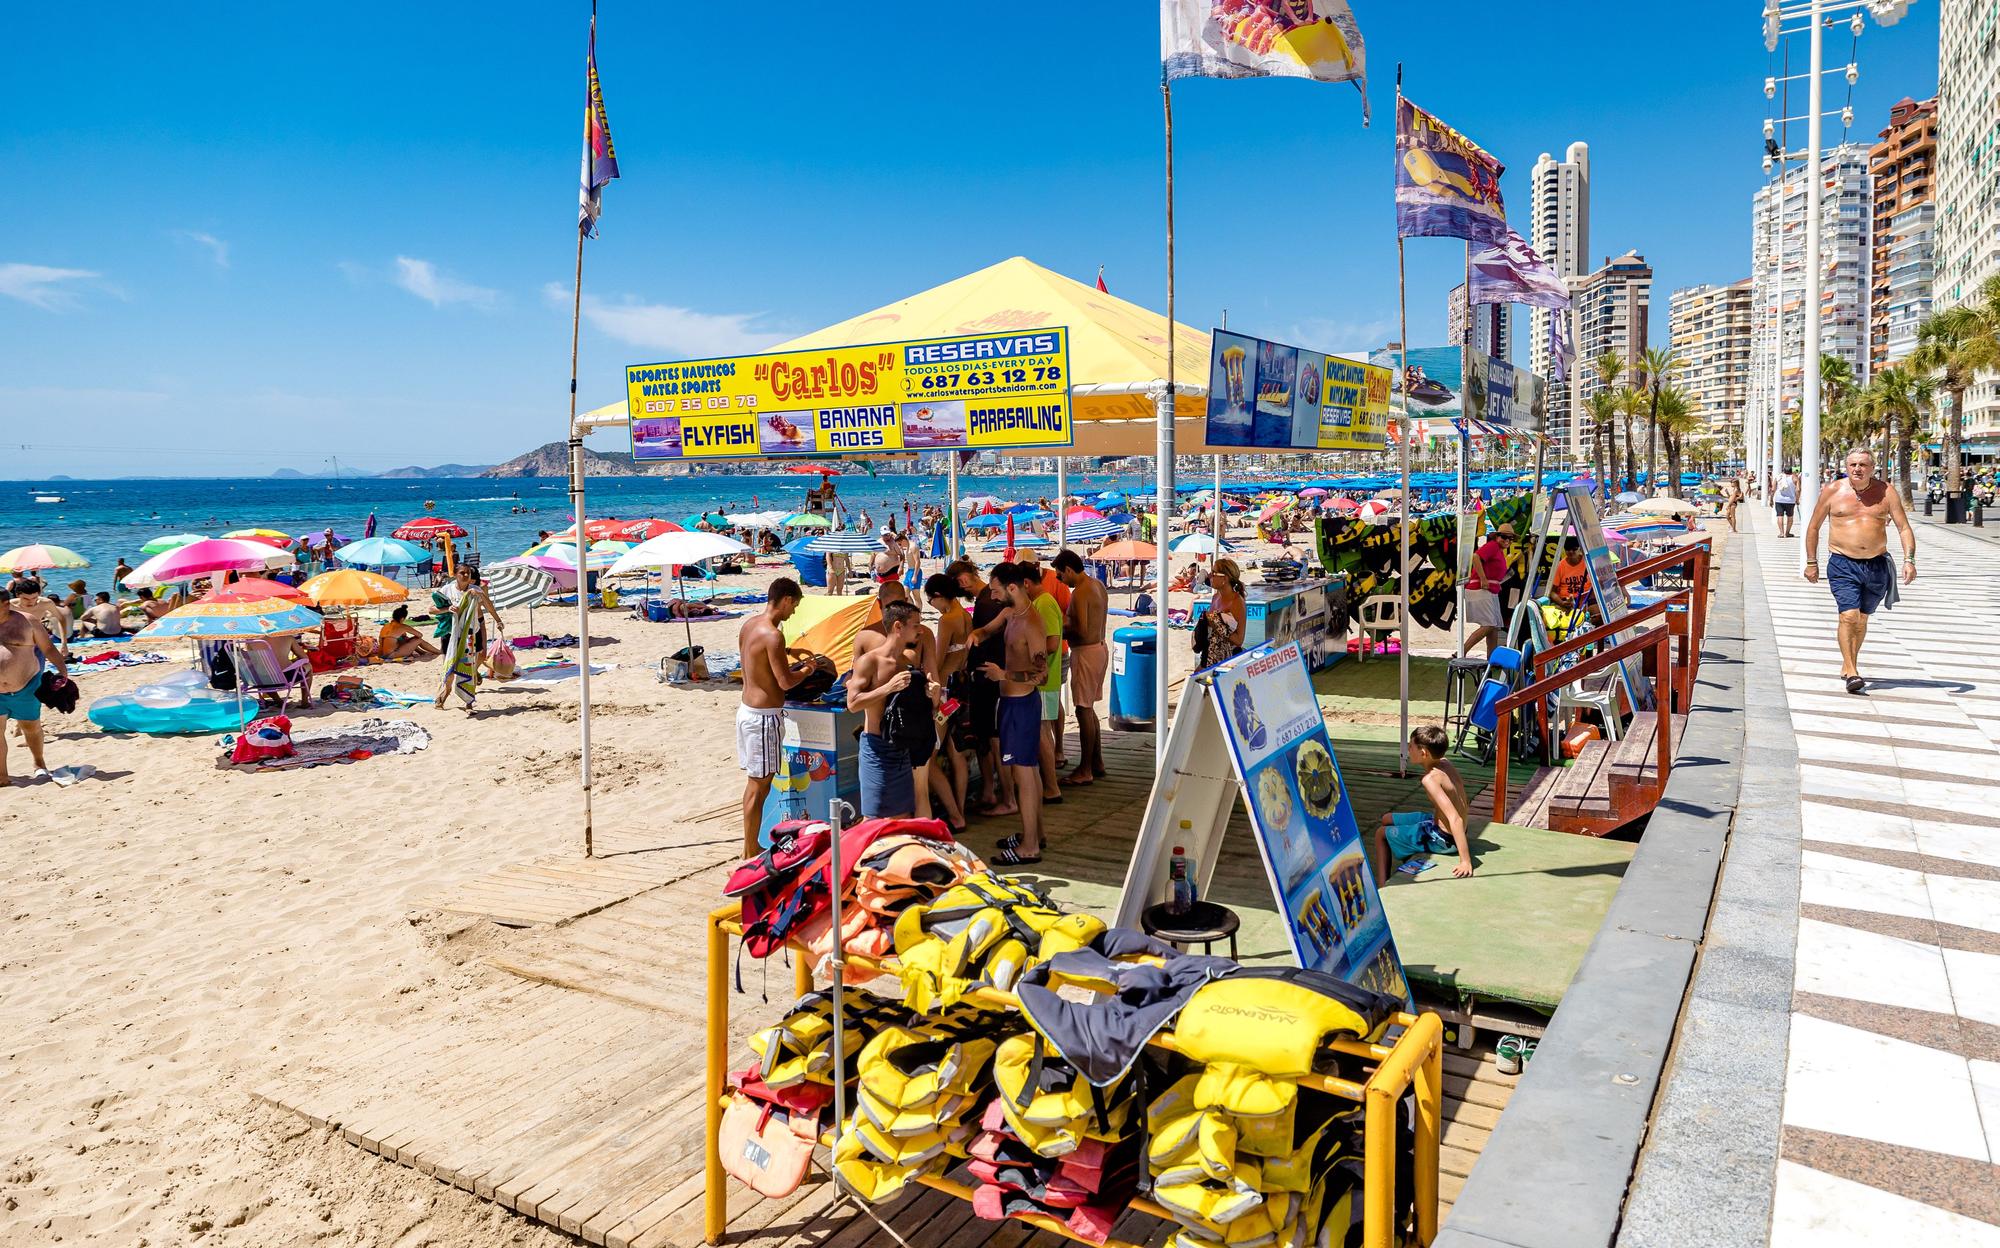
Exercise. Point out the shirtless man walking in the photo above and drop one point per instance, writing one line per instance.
(769, 672)
(1860, 572)
(1083, 629)
(24, 646)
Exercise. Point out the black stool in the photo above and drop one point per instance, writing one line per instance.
(1203, 924)
(1463, 677)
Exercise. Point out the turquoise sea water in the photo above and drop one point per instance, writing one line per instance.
(103, 520)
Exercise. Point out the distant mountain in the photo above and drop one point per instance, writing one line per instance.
(552, 460)
(441, 470)
(290, 474)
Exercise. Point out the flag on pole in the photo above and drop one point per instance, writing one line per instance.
(1316, 39)
(1509, 271)
(1561, 348)
(1100, 280)
(1447, 186)
(600, 161)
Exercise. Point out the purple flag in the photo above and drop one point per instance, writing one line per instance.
(1447, 186)
(600, 162)
(1509, 271)
(1560, 346)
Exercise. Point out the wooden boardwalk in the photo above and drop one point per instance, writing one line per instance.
(569, 1091)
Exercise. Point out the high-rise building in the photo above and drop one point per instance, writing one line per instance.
(1559, 230)
(1710, 336)
(1968, 201)
(1900, 279)
(1492, 325)
(1846, 255)
(1610, 310)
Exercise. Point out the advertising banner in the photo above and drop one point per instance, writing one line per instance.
(1435, 377)
(1501, 394)
(1612, 604)
(1271, 396)
(977, 392)
(1303, 820)
(1447, 186)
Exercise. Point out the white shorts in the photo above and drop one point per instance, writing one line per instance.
(760, 740)
(1482, 608)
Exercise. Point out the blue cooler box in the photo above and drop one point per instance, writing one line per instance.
(821, 761)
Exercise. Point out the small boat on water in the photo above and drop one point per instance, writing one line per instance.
(50, 498)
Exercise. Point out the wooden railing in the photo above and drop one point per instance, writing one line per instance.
(1658, 640)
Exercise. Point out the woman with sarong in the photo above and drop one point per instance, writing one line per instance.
(465, 606)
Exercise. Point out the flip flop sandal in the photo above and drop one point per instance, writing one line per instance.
(1856, 685)
(1010, 856)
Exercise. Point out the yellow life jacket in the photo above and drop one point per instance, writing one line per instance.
(1051, 1107)
(799, 1046)
(918, 1077)
(1255, 1033)
(980, 933)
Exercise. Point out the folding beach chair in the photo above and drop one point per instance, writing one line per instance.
(263, 674)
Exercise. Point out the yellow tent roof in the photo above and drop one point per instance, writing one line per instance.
(828, 624)
(1117, 349)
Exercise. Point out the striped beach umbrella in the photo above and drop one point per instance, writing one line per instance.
(1196, 544)
(231, 619)
(351, 587)
(39, 556)
(844, 543)
(1021, 541)
(1091, 530)
(517, 585)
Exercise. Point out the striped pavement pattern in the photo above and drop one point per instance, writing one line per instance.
(1892, 1092)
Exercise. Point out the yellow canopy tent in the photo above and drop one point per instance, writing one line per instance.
(1117, 350)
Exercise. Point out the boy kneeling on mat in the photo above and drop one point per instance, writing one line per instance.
(1441, 830)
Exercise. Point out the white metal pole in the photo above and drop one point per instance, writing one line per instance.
(1163, 468)
(1217, 501)
(952, 519)
(1815, 179)
(1062, 501)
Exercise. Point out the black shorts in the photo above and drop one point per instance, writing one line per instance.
(1784, 509)
(982, 711)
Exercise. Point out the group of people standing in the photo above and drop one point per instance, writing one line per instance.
(978, 686)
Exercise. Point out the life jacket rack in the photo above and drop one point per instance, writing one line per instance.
(1414, 1061)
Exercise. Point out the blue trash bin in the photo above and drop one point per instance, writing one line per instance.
(1134, 655)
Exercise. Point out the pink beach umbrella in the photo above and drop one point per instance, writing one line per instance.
(205, 558)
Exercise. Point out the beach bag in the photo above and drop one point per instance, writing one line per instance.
(266, 738)
(817, 684)
(1201, 636)
(221, 670)
(689, 663)
(500, 656)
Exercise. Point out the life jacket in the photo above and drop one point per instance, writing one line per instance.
(1091, 1222)
(1049, 1105)
(903, 869)
(799, 1046)
(789, 883)
(1137, 984)
(1259, 1030)
(981, 933)
(920, 1076)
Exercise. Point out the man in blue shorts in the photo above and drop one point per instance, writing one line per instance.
(1020, 715)
(1860, 571)
(25, 649)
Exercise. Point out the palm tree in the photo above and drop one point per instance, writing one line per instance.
(1633, 402)
(1674, 416)
(1603, 407)
(1610, 367)
(1836, 384)
(1896, 399)
(1653, 371)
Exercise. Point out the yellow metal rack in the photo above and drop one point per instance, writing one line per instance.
(1417, 1057)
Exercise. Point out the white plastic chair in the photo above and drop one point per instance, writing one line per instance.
(1604, 701)
(1381, 613)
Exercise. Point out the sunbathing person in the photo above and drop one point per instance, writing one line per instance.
(398, 640)
(1441, 830)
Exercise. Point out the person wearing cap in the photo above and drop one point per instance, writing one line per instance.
(1483, 580)
(889, 559)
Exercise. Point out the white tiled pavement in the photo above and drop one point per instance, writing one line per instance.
(1892, 1092)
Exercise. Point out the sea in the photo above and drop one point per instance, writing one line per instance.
(106, 520)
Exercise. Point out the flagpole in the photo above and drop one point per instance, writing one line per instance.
(951, 521)
(1403, 540)
(576, 491)
(1163, 467)
(1464, 455)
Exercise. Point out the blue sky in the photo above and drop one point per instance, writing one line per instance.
(238, 240)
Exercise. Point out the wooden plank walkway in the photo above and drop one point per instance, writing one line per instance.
(558, 888)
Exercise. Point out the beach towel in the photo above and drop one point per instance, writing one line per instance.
(560, 670)
(111, 660)
(461, 651)
(371, 738)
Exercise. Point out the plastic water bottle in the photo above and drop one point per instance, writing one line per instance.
(1182, 899)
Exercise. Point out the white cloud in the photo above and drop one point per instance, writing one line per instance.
(661, 327)
(42, 286)
(422, 279)
(218, 250)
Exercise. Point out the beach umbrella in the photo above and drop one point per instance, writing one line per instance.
(1629, 496)
(1092, 530)
(1110, 498)
(1034, 515)
(988, 521)
(593, 529)
(204, 558)
(1314, 491)
(1373, 509)
(517, 585)
(939, 540)
(1027, 541)
(1075, 514)
(426, 528)
(978, 502)
(382, 552)
(253, 588)
(643, 530)
(351, 587)
(677, 550)
(1010, 539)
(1272, 508)
(841, 542)
(1126, 552)
(269, 536)
(1666, 507)
(562, 571)
(1197, 544)
(232, 621)
(39, 556)
(171, 541)
(822, 470)
(806, 520)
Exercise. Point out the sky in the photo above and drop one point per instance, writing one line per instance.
(234, 240)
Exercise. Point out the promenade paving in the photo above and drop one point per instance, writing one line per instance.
(1890, 1127)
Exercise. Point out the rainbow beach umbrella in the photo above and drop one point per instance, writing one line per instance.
(230, 619)
(171, 541)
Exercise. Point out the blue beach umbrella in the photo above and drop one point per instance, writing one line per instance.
(382, 552)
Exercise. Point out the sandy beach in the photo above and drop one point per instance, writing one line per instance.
(177, 931)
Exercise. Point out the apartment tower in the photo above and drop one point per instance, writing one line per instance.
(1902, 164)
(1710, 335)
(1968, 207)
(1559, 229)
